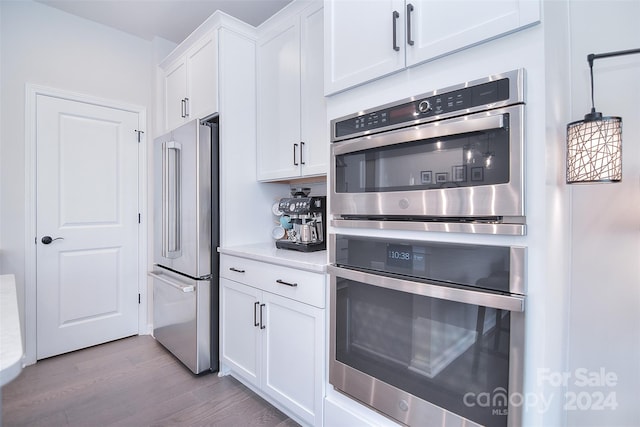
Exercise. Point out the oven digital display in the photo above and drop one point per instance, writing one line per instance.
(402, 113)
(400, 256)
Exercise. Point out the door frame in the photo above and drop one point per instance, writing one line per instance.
(30, 280)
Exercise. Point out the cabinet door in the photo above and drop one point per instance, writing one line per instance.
(175, 91)
(239, 313)
(293, 356)
(359, 41)
(437, 27)
(202, 68)
(279, 103)
(314, 126)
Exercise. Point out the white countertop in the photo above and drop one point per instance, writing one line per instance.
(267, 252)
(11, 349)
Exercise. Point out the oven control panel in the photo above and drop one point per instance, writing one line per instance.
(424, 108)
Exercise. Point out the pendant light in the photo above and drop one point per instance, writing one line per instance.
(594, 145)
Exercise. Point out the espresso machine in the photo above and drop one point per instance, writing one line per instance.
(303, 218)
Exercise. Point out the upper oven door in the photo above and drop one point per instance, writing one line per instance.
(469, 166)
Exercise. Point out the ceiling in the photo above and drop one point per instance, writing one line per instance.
(172, 20)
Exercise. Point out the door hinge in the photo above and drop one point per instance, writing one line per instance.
(139, 298)
(138, 132)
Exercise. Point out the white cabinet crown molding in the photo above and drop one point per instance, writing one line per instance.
(216, 20)
(288, 13)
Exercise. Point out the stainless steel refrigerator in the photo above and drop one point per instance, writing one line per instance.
(185, 282)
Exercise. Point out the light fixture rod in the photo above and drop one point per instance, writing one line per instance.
(593, 56)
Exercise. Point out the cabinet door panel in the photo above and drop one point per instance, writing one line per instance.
(293, 356)
(175, 82)
(279, 104)
(359, 41)
(314, 125)
(239, 335)
(438, 27)
(202, 65)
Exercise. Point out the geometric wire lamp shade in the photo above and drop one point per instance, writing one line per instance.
(594, 149)
(594, 145)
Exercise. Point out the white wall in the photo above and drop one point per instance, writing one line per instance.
(604, 329)
(44, 46)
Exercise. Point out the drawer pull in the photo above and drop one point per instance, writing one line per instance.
(282, 282)
(236, 270)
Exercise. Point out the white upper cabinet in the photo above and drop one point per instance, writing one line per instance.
(359, 41)
(368, 39)
(175, 93)
(279, 103)
(437, 27)
(292, 127)
(313, 121)
(191, 83)
(202, 77)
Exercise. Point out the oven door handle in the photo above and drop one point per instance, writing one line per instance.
(469, 124)
(486, 299)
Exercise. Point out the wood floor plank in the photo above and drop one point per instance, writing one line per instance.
(130, 382)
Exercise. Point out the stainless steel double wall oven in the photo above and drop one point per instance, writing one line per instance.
(430, 332)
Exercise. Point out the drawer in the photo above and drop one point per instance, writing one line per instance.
(299, 285)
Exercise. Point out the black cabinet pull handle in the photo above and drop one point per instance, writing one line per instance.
(394, 17)
(409, 10)
(282, 282)
(236, 270)
(295, 154)
(186, 107)
(262, 325)
(301, 153)
(183, 106)
(255, 315)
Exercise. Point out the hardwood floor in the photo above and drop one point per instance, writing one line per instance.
(130, 382)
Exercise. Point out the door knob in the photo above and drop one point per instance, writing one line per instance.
(47, 239)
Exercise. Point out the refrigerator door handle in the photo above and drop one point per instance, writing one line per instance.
(171, 199)
(175, 285)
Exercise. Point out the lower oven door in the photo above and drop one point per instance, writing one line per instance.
(422, 353)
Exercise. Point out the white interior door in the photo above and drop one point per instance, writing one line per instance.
(87, 203)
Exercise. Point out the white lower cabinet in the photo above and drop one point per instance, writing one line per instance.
(273, 342)
(241, 349)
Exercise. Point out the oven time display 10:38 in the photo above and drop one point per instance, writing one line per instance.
(400, 256)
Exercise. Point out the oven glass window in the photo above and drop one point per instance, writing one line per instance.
(451, 354)
(464, 160)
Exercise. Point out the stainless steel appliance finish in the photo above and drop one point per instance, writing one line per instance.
(438, 161)
(185, 237)
(181, 316)
(182, 200)
(420, 330)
